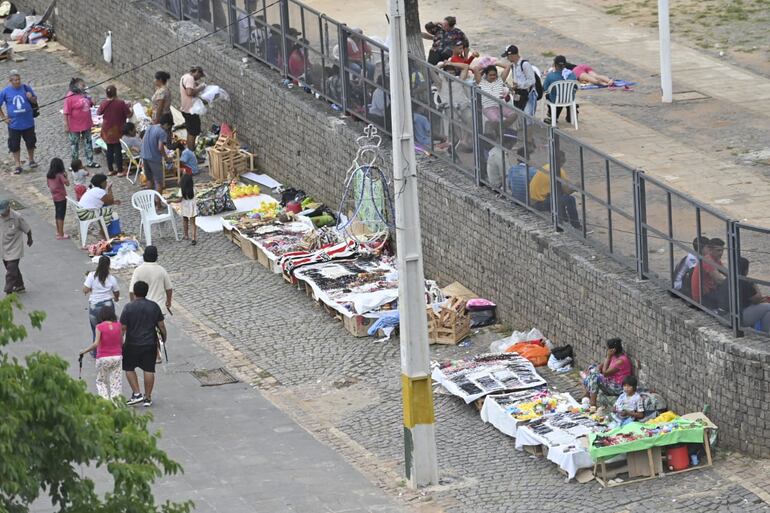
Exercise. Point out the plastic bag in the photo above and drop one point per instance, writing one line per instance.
(107, 48)
(213, 92)
(557, 365)
(501, 346)
(198, 107)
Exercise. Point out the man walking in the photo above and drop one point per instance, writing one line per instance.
(12, 225)
(19, 99)
(141, 322)
(524, 81)
(189, 89)
(156, 278)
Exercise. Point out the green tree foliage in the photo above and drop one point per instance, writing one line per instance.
(52, 428)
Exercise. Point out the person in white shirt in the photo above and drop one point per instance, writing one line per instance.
(102, 289)
(524, 80)
(156, 277)
(689, 261)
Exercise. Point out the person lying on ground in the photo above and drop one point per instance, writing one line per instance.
(586, 74)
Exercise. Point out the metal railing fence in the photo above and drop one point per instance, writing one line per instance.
(634, 218)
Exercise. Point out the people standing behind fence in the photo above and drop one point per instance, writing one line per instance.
(524, 80)
(540, 193)
(520, 174)
(358, 53)
(490, 83)
(78, 121)
(20, 102)
(706, 276)
(754, 307)
(379, 108)
(459, 63)
(114, 112)
(161, 98)
(496, 160)
(557, 74)
(683, 270)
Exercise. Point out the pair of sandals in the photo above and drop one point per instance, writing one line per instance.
(32, 165)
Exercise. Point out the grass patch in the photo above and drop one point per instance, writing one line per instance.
(614, 9)
(548, 53)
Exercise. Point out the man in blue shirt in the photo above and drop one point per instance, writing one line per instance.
(153, 150)
(558, 73)
(18, 99)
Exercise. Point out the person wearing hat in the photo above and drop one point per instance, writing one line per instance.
(190, 87)
(152, 273)
(556, 74)
(20, 101)
(12, 225)
(525, 93)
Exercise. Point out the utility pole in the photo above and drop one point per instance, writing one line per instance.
(664, 35)
(419, 432)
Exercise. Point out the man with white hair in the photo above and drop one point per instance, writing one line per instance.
(20, 101)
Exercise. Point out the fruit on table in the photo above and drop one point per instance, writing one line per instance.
(242, 191)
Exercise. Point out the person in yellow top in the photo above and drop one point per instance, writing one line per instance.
(540, 193)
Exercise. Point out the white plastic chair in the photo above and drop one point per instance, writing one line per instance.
(566, 93)
(133, 162)
(85, 224)
(144, 202)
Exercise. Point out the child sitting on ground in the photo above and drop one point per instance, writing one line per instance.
(189, 206)
(628, 407)
(79, 178)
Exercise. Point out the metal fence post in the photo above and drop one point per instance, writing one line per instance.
(475, 113)
(733, 253)
(284, 34)
(640, 219)
(342, 45)
(553, 152)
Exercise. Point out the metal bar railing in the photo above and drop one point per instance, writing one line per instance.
(622, 210)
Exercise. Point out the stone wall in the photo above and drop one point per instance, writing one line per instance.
(537, 277)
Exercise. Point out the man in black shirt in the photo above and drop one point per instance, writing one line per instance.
(142, 321)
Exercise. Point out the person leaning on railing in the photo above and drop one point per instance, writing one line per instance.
(753, 305)
(540, 193)
(706, 277)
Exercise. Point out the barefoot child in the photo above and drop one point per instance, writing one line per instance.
(189, 206)
(79, 177)
(57, 184)
(108, 343)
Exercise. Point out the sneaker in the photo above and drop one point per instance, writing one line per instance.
(135, 399)
(193, 242)
(93, 165)
(32, 164)
(147, 403)
(17, 171)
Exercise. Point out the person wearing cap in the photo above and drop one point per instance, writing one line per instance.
(12, 225)
(525, 93)
(460, 61)
(19, 100)
(152, 273)
(190, 87)
(556, 74)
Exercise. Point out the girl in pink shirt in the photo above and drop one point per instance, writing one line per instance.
(608, 377)
(57, 184)
(77, 120)
(108, 343)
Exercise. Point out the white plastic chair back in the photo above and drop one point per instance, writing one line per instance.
(564, 92)
(84, 225)
(144, 202)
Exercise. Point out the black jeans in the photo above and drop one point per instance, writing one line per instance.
(13, 279)
(114, 157)
(567, 208)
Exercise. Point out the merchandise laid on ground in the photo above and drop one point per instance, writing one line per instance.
(583, 442)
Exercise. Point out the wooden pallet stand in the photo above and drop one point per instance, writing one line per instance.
(450, 325)
(262, 258)
(249, 248)
(227, 160)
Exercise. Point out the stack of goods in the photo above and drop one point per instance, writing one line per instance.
(486, 373)
(227, 160)
(448, 323)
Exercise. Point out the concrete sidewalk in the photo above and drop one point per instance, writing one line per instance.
(239, 452)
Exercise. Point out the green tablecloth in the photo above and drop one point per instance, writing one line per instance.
(691, 432)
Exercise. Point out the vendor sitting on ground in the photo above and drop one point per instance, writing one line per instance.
(608, 377)
(629, 406)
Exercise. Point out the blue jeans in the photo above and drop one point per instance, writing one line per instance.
(531, 106)
(421, 130)
(93, 312)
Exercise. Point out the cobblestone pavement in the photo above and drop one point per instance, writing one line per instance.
(346, 391)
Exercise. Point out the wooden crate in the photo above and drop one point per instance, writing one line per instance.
(227, 164)
(358, 325)
(450, 325)
(237, 239)
(249, 248)
(262, 258)
(229, 234)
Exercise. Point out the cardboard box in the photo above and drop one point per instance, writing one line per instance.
(358, 325)
(457, 289)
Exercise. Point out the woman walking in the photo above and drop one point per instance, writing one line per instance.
(114, 112)
(78, 122)
(108, 344)
(57, 184)
(102, 290)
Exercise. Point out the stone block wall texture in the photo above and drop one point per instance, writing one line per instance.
(537, 277)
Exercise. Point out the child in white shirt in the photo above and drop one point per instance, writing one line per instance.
(628, 406)
(79, 178)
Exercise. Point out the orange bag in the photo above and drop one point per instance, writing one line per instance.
(533, 351)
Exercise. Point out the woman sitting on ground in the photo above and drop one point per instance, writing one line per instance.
(585, 73)
(609, 375)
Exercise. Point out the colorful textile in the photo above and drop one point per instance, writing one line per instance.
(637, 437)
(596, 382)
